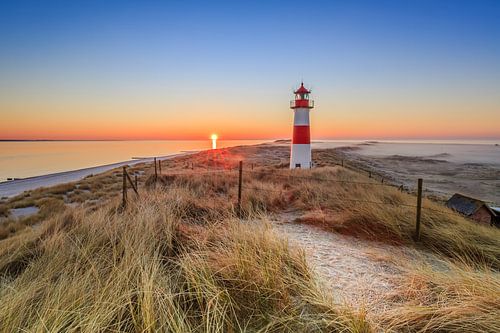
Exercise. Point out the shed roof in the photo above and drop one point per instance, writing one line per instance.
(495, 210)
(465, 205)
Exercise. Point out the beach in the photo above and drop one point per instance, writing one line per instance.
(468, 168)
(18, 186)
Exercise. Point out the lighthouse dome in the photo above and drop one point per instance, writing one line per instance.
(302, 90)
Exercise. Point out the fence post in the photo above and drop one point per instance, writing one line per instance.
(131, 183)
(156, 171)
(135, 176)
(240, 178)
(159, 165)
(370, 174)
(342, 163)
(419, 210)
(124, 188)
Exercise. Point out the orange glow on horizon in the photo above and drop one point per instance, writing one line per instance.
(238, 121)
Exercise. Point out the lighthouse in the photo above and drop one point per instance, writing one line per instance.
(300, 156)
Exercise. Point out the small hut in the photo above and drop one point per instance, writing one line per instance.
(472, 208)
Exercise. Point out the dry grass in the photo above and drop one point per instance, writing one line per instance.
(337, 199)
(460, 299)
(342, 207)
(92, 191)
(327, 197)
(148, 269)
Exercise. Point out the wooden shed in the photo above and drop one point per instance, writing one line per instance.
(472, 208)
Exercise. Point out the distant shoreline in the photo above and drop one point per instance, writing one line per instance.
(15, 187)
(121, 140)
(482, 141)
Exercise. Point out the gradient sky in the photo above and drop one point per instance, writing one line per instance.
(185, 69)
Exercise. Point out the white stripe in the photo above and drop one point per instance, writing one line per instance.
(301, 117)
(301, 154)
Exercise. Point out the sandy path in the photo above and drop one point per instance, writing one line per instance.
(358, 272)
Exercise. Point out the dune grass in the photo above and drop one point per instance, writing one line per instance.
(148, 269)
(92, 191)
(344, 201)
(459, 299)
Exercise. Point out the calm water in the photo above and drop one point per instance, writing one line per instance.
(34, 158)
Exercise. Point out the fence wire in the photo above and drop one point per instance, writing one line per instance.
(336, 199)
(314, 178)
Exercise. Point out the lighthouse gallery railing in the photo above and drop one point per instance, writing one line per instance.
(302, 103)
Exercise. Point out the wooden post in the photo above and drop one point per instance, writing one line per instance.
(382, 180)
(342, 163)
(135, 176)
(131, 183)
(240, 178)
(370, 174)
(124, 188)
(159, 165)
(156, 171)
(419, 210)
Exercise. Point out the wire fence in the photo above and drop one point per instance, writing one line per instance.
(274, 174)
(277, 177)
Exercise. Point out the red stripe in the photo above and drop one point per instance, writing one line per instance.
(301, 135)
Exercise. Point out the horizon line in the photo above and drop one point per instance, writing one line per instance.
(255, 139)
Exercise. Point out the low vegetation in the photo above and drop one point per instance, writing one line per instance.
(148, 269)
(341, 200)
(90, 192)
(460, 299)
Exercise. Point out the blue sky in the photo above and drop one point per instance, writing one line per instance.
(389, 60)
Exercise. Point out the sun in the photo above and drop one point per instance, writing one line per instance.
(214, 140)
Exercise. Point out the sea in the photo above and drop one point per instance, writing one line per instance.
(23, 159)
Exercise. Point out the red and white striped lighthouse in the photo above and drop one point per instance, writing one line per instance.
(300, 156)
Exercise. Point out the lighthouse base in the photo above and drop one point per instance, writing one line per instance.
(301, 156)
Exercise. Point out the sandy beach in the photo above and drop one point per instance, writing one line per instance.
(15, 187)
(445, 169)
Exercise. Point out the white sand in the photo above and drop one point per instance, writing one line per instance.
(15, 187)
(356, 271)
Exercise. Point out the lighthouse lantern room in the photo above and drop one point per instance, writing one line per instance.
(300, 156)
